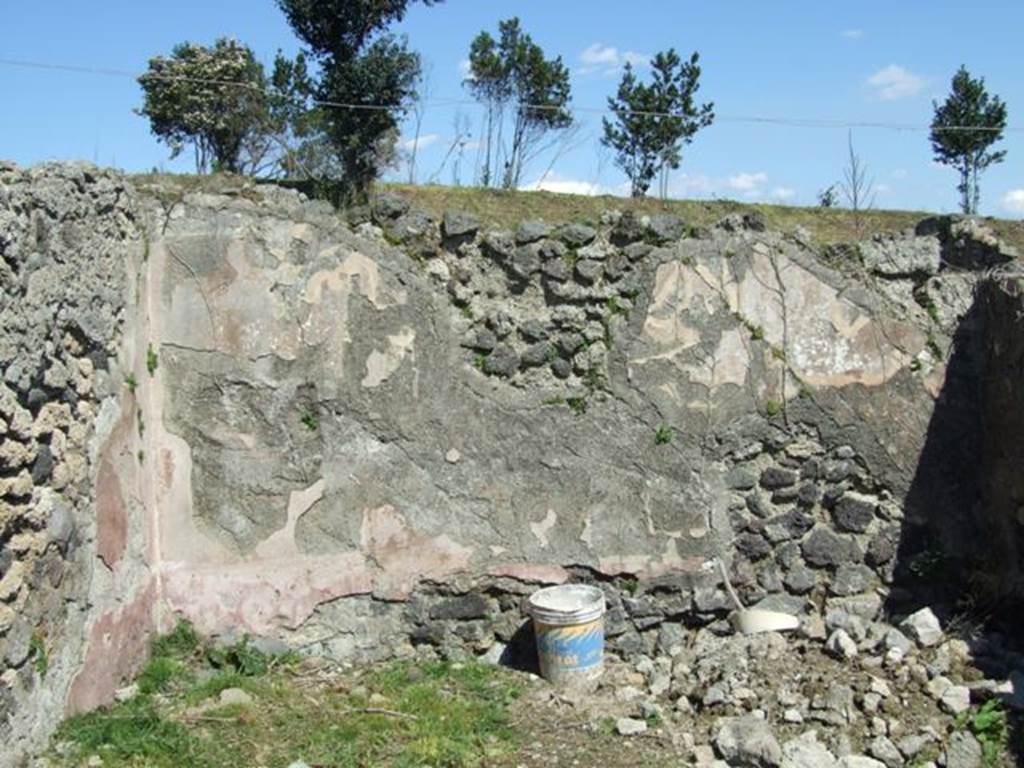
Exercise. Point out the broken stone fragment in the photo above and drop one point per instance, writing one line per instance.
(805, 751)
(963, 751)
(855, 512)
(557, 269)
(499, 245)
(881, 748)
(551, 249)
(800, 580)
(628, 726)
(234, 696)
(530, 231)
(503, 361)
(14, 455)
(561, 368)
(538, 354)
(597, 251)
(740, 479)
(389, 206)
(665, 228)
(923, 626)
(524, 262)
(753, 546)
(42, 467)
(18, 644)
(576, 235)
(748, 741)
(614, 268)
(841, 645)
(481, 339)
(501, 323)
(17, 487)
(860, 761)
(851, 579)
(568, 343)
(533, 330)
(824, 548)
(882, 547)
(637, 251)
(778, 477)
(459, 224)
(588, 271)
(893, 256)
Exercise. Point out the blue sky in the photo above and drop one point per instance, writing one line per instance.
(862, 62)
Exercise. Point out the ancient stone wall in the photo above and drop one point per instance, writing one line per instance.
(69, 532)
(358, 436)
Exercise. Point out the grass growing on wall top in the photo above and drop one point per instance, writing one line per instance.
(501, 208)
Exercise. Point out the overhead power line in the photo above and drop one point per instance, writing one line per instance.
(793, 122)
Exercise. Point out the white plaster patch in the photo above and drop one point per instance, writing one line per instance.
(675, 291)
(282, 542)
(728, 365)
(587, 535)
(380, 365)
(541, 529)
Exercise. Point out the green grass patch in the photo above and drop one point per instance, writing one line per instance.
(401, 715)
(577, 404)
(310, 421)
(180, 642)
(505, 209)
(160, 673)
(134, 733)
(40, 658)
(152, 360)
(990, 727)
(664, 434)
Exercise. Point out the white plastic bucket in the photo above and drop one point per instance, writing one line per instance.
(568, 622)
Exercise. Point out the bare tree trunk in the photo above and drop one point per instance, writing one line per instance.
(415, 146)
(965, 187)
(857, 185)
(423, 92)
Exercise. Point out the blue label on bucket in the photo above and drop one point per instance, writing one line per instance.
(565, 649)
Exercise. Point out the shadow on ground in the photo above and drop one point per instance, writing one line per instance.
(954, 554)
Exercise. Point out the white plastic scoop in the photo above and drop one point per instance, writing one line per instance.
(750, 621)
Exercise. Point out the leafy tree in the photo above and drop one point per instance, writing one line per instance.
(828, 197)
(367, 78)
(964, 127)
(296, 138)
(210, 97)
(510, 76)
(653, 122)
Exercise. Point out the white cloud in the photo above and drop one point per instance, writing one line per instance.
(554, 182)
(598, 55)
(899, 173)
(895, 82)
(748, 185)
(1014, 201)
(852, 34)
(607, 59)
(465, 70)
(421, 143)
(686, 185)
(746, 182)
